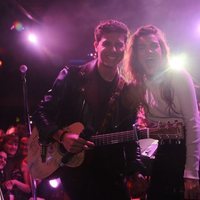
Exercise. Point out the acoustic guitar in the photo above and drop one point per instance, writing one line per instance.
(56, 157)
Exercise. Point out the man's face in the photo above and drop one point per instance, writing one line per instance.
(149, 54)
(3, 159)
(110, 49)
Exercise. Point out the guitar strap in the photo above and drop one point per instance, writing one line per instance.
(111, 104)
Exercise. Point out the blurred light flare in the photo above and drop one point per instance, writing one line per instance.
(1, 64)
(32, 38)
(18, 26)
(54, 183)
(178, 61)
(92, 55)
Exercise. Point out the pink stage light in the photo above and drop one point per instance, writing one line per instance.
(32, 38)
(1, 63)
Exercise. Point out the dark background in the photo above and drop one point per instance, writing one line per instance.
(65, 29)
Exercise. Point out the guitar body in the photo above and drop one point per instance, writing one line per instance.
(39, 169)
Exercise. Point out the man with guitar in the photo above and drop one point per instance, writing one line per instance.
(89, 113)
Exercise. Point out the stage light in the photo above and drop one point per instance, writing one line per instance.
(92, 55)
(32, 38)
(54, 183)
(1, 64)
(178, 61)
(17, 120)
(18, 26)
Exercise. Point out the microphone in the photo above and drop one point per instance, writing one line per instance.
(23, 69)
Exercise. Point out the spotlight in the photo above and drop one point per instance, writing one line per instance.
(32, 38)
(54, 183)
(178, 61)
(93, 55)
(1, 64)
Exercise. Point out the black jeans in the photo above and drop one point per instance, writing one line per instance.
(166, 182)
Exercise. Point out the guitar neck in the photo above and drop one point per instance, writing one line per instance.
(114, 138)
(127, 136)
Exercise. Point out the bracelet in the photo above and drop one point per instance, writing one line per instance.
(62, 136)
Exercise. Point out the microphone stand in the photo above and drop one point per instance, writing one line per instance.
(1, 194)
(23, 69)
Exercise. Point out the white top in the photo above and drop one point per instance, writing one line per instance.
(187, 112)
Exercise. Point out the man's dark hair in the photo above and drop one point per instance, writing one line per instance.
(110, 26)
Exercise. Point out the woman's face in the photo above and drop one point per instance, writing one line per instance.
(149, 54)
(11, 147)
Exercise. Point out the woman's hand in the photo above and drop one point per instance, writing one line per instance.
(192, 189)
(137, 186)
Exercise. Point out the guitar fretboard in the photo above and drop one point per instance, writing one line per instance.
(114, 138)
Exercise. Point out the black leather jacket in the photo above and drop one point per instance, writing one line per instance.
(76, 95)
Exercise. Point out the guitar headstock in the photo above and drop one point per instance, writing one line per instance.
(167, 132)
